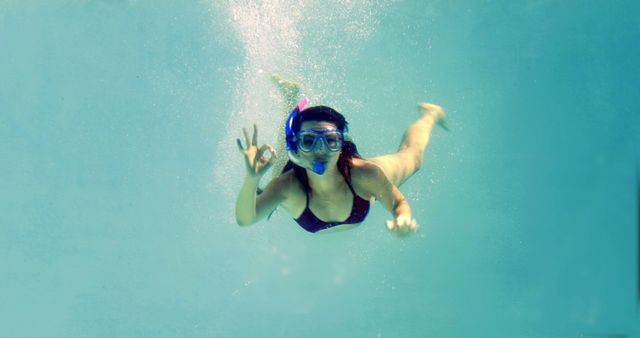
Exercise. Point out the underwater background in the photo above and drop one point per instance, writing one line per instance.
(119, 169)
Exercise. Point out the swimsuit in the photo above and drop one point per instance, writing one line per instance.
(311, 223)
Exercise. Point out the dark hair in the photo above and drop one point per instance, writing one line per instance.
(349, 149)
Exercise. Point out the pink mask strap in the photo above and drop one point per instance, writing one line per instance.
(303, 103)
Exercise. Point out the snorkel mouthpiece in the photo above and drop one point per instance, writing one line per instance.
(318, 168)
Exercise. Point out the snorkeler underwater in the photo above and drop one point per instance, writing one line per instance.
(319, 168)
(326, 173)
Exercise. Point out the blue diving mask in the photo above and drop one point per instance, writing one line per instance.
(308, 140)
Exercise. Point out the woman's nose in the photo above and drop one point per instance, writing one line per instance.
(320, 146)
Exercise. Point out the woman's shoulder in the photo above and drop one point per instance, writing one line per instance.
(286, 181)
(366, 176)
(292, 191)
(364, 169)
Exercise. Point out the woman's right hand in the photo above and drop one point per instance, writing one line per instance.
(257, 164)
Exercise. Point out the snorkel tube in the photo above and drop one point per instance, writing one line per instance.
(292, 147)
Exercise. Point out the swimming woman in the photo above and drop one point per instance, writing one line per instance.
(326, 185)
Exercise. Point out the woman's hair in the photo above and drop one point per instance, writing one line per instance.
(349, 149)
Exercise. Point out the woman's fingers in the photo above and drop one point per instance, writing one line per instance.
(390, 225)
(265, 163)
(402, 225)
(261, 152)
(272, 151)
(246, 137)
(255, 135)
(260, 155)
(254, 139)
(254, 158)
(403, 221)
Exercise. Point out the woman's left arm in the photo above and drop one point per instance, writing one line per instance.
(373, 180)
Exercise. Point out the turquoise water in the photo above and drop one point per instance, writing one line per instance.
(119, 169)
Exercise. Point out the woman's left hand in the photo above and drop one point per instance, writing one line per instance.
(403, 224)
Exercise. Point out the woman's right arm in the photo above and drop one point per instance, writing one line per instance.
(251, 207)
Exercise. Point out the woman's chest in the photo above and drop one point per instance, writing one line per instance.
(333, 207)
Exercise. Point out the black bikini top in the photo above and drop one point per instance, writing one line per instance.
(311, 223)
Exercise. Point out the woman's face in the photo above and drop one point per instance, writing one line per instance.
(320, 153)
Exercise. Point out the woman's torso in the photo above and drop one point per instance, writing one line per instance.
(335, 206)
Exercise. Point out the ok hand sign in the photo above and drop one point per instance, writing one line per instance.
(256, 164)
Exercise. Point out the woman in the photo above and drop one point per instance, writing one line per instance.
(326, 185)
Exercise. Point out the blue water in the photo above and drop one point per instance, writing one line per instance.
(119, 170)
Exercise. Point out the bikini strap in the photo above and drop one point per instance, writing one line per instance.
(307, 193)
(353, 191)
